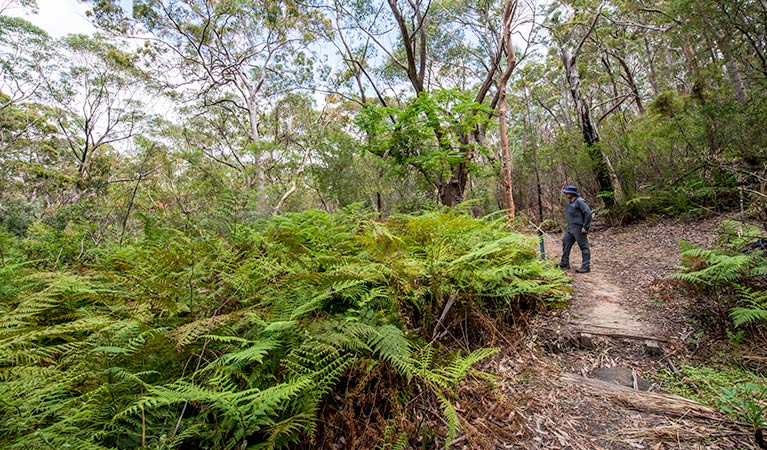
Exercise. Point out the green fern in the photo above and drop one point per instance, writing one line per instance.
(754, 307)
(197, 340)
(728, 273)
(451, 417)
(742, 316)
(442, 380)
(718, 267)
(459, 368)
(387, 343)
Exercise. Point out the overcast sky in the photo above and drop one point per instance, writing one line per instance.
(62, 17)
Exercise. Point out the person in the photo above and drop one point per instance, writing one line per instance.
(578, 215)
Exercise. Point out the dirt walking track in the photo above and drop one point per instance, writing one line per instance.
(579, 382)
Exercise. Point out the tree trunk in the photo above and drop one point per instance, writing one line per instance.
(608, 68)
(651, 66)
(534, 134)
(451, 191)
(602, 167)
(508, 166)
(256, 180)
(733, 73)
(511, 62)
(736, 78)
(697, 90)
(629, 77)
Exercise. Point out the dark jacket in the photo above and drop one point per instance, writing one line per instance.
(578, 214)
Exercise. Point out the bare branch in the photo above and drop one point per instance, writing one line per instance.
(586, 35)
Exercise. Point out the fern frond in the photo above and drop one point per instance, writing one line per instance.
(748, 315)
(264, 403)
(287, 431)
(719, 268)
(459, 368)
(451, 417)
(754, 309)
(760, 270)
(387, 342)
(253, 353)
(401, 443)
(189, 332)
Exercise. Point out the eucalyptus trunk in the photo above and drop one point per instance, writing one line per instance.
(606, 177)
(511, 63)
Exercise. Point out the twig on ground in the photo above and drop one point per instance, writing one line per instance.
(681, 376)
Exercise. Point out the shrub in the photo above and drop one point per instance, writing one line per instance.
(738, 281)
(209, 342)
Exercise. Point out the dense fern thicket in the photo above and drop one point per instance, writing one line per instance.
(182, 340)
(734, 282)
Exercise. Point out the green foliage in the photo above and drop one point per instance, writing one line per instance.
(22, 46)
(740, 394)
(713, 267)
(710, 383)
(745, 402)
(663, 165)
(16, 216)
(196, 340)
(734, 235)
(426, 133)
(754, 307)
(737, 279)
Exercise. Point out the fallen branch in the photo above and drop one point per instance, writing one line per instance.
(615, 333)
(652, 402)
(442, 316)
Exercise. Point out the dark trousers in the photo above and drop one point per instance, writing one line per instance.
(571, 236)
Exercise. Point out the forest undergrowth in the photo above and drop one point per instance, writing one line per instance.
(725, 289)
(267, 336)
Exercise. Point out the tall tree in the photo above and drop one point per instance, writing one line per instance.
(25, 51)
(8, 5)
(433, 51)
(605, 174)
(233, 58)
(97, 91)
(511, 62)
(411, 20)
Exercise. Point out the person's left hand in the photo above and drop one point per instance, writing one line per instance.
(584, 230)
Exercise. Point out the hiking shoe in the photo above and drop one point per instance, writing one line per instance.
(583, 270)
(564, 266)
